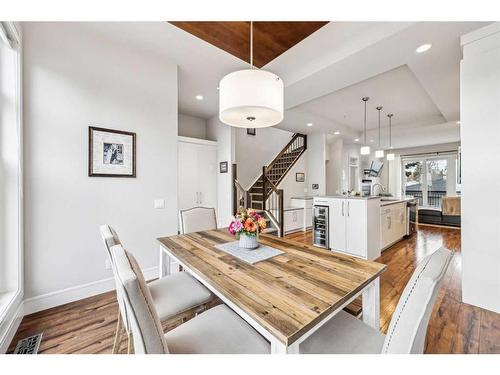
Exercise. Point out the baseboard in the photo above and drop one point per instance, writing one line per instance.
(12, 327)
(61, 297)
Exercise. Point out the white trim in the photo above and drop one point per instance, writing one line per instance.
(11, 329)
(198, 141)
(75, 293)
(481, 33)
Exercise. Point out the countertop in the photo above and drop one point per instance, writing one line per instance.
(395, 200)
(345, 197)
(304, 197)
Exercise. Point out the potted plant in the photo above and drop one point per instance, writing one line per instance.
(246, 226)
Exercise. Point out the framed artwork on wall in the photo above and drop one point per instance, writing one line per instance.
(300, 177)
(251, 131)
(111, 153)
(223, 167)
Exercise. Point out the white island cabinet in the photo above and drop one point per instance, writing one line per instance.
(354, 225)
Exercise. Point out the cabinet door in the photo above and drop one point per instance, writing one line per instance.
(385, 227)
(187, 162)
(337, 224)
(300, 219)
(207, 175)
(356, 227)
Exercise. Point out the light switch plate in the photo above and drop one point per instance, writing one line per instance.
(159, 203)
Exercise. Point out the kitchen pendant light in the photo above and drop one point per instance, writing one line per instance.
(379, 153)
(390, 155)
(365, 149)
(251, 98)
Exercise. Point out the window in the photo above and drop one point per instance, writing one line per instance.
(10, 169)
(428, 178)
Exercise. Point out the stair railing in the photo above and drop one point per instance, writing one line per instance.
(241, 197)
(297, 143)
(272, 202)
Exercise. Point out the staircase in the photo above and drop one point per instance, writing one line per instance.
(264, 195)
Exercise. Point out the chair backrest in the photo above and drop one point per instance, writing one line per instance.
(110, 239)
(145, 324)
(197, 219)
(408, 328)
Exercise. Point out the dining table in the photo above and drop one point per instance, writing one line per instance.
(285, 298)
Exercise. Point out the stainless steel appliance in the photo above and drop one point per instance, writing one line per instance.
(320, 226)
(411, 217)
(366, 187)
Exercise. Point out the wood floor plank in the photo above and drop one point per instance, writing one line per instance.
(87, 326)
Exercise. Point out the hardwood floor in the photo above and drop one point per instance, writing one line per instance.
(88, 326)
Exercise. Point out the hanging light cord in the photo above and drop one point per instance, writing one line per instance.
(251, 44)
(379, 109)
(390, 129)
(365, 99)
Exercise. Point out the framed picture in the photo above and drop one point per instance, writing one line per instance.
(111, 153)
(223, 167)
(300, 177)
(251, 131)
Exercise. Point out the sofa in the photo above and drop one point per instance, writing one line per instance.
(448, 215)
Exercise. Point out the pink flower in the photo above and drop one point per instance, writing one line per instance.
(235, 227)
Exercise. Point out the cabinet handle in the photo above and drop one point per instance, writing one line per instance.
(342, 208)
(201, 200)
(348, 208)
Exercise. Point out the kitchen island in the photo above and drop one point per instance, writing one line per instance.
(353, 224)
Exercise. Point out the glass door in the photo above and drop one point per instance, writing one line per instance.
(413, 180)
(436, 178)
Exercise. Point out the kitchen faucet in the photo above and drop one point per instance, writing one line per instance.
(380, 185)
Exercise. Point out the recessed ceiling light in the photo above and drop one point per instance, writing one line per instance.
(356, 140)
(336, 132)
(458, 122)
(309, 124)
(371, 140)
(423, 48)
(199, 97)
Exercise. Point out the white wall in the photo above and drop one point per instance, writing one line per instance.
(225, 137)
(316, 162)
(192, 126)
(480, 119)
(292, 188)
(253, 152)
(73, 79)
(334, 167)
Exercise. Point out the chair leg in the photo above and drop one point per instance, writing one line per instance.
(118, 334)
(129, 346)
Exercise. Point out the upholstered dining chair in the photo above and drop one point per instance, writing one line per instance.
(344, 334)
(197, 219)
(217, 330)
(172, 295)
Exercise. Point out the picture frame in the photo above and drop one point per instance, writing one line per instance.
(251, 131)
(223, 167)
(111, 153)
(300, 177)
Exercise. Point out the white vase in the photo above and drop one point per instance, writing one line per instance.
(248, 242)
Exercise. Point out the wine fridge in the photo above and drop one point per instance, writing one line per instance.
(320, 226)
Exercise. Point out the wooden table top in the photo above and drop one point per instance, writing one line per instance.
(287, 294)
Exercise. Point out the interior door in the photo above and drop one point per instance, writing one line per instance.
(207, 175)
(338, 225)
(356, 227)
(188, 180)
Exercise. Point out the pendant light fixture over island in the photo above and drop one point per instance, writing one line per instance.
(251, 98)
(365, 149)
(379, 153)
(390, 155)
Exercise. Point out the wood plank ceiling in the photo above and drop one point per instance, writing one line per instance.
(270, 39)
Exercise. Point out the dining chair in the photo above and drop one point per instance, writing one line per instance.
(197, 219)
(172, 295)
(345, 334)
(218, 330)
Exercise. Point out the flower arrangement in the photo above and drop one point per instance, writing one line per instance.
(248, 222)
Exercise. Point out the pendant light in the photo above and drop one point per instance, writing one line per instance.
(251, 98)
(365, 149)
(390, 155)
(379, 153)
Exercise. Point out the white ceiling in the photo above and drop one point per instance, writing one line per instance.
(396, 91)
(327, 73)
